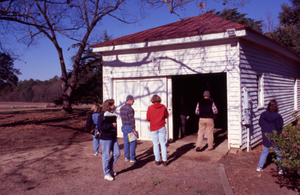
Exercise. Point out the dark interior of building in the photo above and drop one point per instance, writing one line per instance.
(191, 87)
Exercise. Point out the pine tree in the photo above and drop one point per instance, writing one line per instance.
(288, 31)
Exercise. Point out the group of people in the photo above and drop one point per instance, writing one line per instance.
(106, 132)
(156, 114)
(269, 121)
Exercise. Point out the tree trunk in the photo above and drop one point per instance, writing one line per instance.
(69, 85)
(67, 100)
(66, 88)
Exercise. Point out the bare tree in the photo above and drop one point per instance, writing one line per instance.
(75, 19)
(175, 5)
(269, 23)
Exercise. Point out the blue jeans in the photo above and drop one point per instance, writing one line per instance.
(132, 145)
(264, 155)
(159, 137)
(95, 143)
(109, 161)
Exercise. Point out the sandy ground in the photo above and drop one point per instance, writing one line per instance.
(72, 169)
(46, 151)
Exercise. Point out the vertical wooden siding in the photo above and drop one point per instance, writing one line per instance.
(278, 73)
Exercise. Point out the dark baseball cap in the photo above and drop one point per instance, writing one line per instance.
(129, 97)
(206, 93)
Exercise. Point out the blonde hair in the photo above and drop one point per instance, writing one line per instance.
(107, 104)
(155, 99)
(96, 108)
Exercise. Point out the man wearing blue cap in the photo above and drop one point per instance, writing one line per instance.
(128, 126)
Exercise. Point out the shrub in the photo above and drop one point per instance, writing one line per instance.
(288, 143)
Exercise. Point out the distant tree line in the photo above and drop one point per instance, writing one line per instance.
(34, 91)
(87, 90)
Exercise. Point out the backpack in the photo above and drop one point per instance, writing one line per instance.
(90, 125)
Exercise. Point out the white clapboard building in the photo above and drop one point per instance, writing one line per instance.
(242, 68)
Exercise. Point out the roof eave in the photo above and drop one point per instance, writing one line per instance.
(172, 41)
(268, 42)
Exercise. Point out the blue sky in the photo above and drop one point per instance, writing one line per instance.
(41, 61)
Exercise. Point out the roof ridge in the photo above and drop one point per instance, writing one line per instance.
(196, 25)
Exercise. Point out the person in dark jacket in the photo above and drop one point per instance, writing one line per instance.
(184, 116)
(95, 114)
(206, 109)
(108, 139)
(269, 121)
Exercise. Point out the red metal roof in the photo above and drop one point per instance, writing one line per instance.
(202, 24)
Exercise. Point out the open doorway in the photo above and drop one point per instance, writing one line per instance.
(191, 87)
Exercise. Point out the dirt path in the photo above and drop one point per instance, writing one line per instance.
(46, 151)
(72, 169)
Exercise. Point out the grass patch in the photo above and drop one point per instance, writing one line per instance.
(155, 181)
(198, 191)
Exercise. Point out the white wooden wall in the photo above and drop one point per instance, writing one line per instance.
(298, 94)
(279, 74)
(197, 58)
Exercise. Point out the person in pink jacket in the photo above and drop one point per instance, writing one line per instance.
(156, 115)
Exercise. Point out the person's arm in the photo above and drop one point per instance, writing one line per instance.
(131, 118)
(197, 111)
(260, 121)
(166, 113)
(187, 113)
(214, 108)
(279, 124)
(103, 125)
(148, 115)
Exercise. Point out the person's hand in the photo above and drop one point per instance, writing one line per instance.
(115, 125)
(136, 133)
(187, 118)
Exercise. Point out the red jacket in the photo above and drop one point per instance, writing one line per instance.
(156, 114)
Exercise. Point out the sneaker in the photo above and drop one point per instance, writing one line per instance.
(134, 161)
(96, 153)
(126, 159)
(113, 173)
(280, 172)
(108, 177)
(259, 169)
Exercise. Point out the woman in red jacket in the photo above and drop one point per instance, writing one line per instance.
(156, 115)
